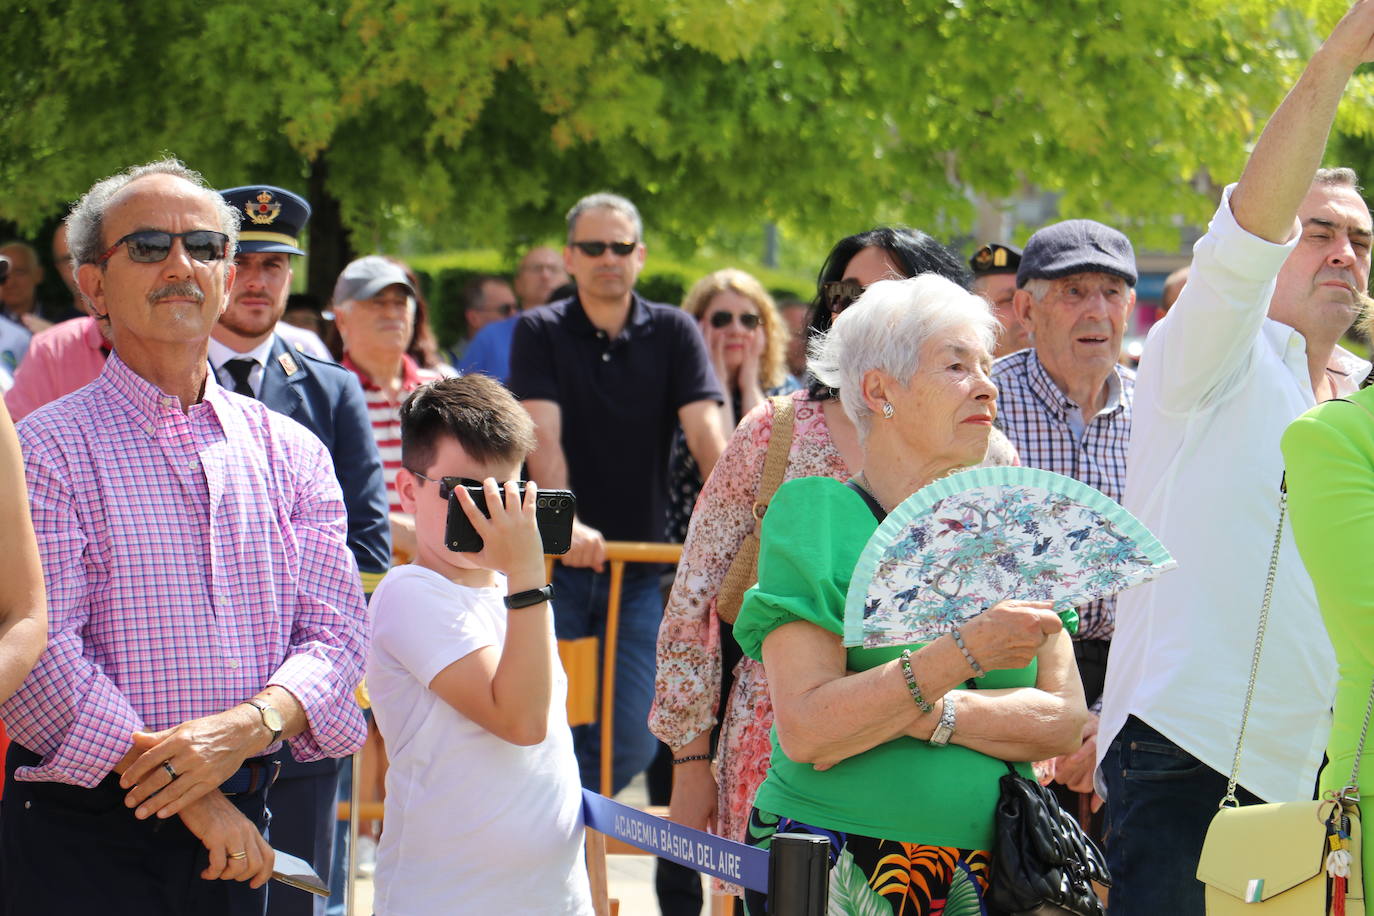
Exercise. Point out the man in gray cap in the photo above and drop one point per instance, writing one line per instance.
(1065, 402)
(374, 312)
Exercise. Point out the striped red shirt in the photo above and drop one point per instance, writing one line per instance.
(385, 415)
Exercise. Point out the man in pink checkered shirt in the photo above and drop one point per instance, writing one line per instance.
(204, 606)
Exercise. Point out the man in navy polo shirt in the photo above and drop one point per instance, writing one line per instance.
(606, 376)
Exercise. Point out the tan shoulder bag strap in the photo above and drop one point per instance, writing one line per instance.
(744, 569)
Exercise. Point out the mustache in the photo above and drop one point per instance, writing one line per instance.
(184, 289)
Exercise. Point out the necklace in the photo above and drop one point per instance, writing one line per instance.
(862, 483)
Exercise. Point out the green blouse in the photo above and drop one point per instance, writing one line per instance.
(1328, 456)
(902, 790)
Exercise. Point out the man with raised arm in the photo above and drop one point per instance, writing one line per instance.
(1250, 344)
(203, 604)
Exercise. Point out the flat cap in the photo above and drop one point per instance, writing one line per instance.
(1077, 246)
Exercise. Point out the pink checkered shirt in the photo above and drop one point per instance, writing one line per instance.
(191, 560)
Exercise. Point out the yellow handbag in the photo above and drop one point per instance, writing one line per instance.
(1292, 858)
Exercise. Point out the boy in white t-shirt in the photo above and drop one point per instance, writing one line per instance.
(483, 801)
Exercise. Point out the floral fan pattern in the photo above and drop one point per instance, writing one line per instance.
(963, 543)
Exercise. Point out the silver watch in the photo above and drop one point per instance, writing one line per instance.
(945, 729)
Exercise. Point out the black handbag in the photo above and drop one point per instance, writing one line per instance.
(1042, 861)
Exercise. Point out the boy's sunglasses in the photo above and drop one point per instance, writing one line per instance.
(597, 249)
(723, 319)
(839, 295)
(448, 484)
(148, 246)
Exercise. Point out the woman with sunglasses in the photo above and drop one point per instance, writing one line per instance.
(747, 343)
(697, 653)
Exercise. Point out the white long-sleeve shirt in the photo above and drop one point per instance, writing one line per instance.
(1218, 383)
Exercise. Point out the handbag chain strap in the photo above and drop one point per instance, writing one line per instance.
(1230, 799)
(1352, 790)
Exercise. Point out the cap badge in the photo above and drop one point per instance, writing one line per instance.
(999, 258)
(265, 210)
(984, 258)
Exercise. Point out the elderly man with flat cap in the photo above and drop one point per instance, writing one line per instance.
(994, 278)
(203, 605)
(1065, 402)
(251, 355)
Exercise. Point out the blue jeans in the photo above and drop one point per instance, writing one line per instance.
(579, 609)
(1160, 801)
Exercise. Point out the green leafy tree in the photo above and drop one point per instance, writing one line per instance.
(480, 121)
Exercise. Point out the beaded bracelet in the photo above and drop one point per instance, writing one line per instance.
(690, 757)
(911, 682)
(968, 656)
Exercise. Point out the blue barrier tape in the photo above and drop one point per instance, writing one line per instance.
(699, 851)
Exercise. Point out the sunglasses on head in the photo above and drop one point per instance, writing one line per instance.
(839, 295)
(448, 484)
(148, 246)
(597, 249)
(723, 319)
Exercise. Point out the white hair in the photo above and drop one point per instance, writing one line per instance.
(886, 328)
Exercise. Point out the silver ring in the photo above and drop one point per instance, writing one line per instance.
(167, 765)
(239, 855)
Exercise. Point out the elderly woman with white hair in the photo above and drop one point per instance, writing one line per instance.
(856, 754)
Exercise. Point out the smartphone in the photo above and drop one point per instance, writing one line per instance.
(553, 514)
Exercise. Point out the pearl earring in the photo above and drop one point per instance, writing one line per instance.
(888, 411)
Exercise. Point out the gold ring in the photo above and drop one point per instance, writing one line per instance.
(239, 855)
(167, 765)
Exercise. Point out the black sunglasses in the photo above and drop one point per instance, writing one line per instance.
(448, 484)
(723, 319)
(597, 249)
(148, 246)
(839, 295)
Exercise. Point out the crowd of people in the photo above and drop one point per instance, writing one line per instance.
(226, 544)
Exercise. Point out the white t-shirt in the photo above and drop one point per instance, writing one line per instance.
(474, 824)
(1218, 384)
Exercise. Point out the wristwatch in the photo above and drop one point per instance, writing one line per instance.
(271, 718)
(944, 730)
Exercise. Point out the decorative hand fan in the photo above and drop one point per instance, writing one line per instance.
(958, 546)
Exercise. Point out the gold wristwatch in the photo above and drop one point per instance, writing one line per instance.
(271, 718)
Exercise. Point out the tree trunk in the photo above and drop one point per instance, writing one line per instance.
(331, 246)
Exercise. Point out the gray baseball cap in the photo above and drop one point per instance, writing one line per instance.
(1076, 246)
(366, 277)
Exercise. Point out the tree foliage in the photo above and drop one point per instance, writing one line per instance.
(483, 120)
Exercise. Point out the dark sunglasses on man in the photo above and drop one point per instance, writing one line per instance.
(723, 319)
(597, 249)
(839, 295)
(148, 246)
(448, 484)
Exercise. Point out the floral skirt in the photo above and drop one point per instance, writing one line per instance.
(875, 876)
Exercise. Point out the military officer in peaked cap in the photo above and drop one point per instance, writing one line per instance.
(250, 356)
(994, 278)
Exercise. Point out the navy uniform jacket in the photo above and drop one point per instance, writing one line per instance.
(326, 399)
